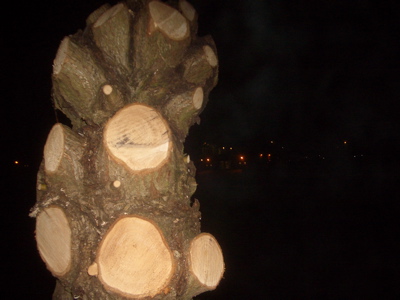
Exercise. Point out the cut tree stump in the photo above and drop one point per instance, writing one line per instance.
(115, 214)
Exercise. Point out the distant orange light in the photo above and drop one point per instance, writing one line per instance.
(345, 142)
(241, 157)
(261, 155)
(208, 159)
(16, 162)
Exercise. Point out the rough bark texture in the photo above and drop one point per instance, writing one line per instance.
(114, 216)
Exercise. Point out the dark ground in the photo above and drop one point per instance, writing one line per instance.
(287, 232)
(301, 233)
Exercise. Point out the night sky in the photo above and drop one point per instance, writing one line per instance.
(307, 74)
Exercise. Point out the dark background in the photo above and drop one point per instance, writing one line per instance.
(308, 75)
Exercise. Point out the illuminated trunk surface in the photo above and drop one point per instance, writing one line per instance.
(114, 216)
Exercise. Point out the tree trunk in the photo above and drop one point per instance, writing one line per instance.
(114, 216)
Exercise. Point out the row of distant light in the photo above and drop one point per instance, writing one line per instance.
(209, 159)
(16, 162)
(241, 157)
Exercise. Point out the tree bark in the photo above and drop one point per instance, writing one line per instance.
(114, 214)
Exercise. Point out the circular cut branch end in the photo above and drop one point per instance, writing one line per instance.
(60, 56)
(93, 269)
(198, 98)
(54, 148)
(108, 14)
(116, 183)
(210, 56)
(53, 237)
(107, 89)
(134, 259)
(187, 9)
(169, 20)
(138, 137)
(206, 260)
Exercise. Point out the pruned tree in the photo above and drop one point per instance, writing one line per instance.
(114, 215)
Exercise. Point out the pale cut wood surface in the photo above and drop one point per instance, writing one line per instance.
(138, 137)
(198, 98)
(53, 236)
(134, 258)
(62, 150)
(54, 148)
(169, 20)
(206, 260)
(210, 56)
(188, 10)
